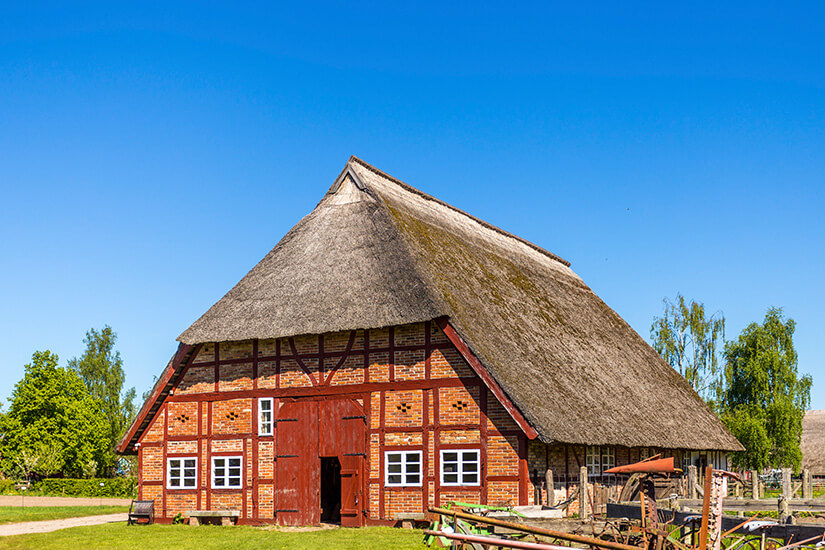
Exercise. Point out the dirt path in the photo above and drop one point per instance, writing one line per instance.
(25, 501)
(28, 527)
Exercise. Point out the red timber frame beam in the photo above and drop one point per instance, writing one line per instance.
(160, 390)
(485, 376)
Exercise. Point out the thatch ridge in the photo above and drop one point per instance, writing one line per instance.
(813, 442)
(377, 252)
(426, 196)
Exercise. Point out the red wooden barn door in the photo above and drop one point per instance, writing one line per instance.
(342, 429)
(298, 469)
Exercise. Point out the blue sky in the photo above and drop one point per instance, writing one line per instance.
(151, 155)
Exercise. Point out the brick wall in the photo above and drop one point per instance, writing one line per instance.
(426, 417)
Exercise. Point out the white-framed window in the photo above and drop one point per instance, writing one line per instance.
(460, 467)
(402, 468)
(644, 453)
(265, 416)
(591, 460)
(227, 472)
(608, 458)
(182, 473)
(687, 460)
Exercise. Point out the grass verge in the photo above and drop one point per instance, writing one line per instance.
(16, 514)
(118, 536)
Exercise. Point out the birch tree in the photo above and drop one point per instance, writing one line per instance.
(691, 342)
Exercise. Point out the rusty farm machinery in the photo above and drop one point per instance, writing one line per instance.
(462, 525)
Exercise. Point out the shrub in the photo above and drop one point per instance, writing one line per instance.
(119, 487)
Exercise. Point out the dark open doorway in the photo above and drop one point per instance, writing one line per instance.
(330, 490)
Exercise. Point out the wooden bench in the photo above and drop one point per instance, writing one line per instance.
(140, 510)
(227, 517)
(409, 519)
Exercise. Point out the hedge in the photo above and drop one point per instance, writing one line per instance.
(119, 487)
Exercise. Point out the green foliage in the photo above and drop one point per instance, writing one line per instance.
(116, 487)
(689, 340)
(101, 369)
(764, 399)
(120, 487)
(53, 424)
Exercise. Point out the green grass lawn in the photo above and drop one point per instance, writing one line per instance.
(16, 514)
(205, 537)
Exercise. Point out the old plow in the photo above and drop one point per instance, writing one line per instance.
(475, 527)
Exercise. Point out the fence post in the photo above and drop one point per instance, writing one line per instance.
(550, 499)
(692, 482)
(807, 486)
(584, 505)
(785, 501)
(756, 493)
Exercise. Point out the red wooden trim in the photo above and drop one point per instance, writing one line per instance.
(523, 472)
(301, 363)
(217, 366)
(321, 358)
(207, 472)
(140, 473)
(485, 375)
(503, 433)
(227, 453)
(213, 437)
(483, 436)
(327, 355)
(416, 429)
(381, 447)
(164, 379)
(243, 481)
(425, 441)
(391, 448)
(278, 363)
(392, 353)
(436, 445)
(200, 450)
(343, 358)
(255, 364)
(427, 350)
(366, 356)
(328, 391)
(450, 446)
(165, 456)
(254, 458)
(181, 455)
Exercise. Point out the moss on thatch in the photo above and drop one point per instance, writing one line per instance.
(377, 252)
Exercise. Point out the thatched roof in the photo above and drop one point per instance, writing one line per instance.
(377, 252)
(813, 442)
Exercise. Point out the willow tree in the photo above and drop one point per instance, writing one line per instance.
(691, 342)
(764, 398)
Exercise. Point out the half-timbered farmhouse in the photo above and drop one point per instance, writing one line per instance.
(393, 352)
